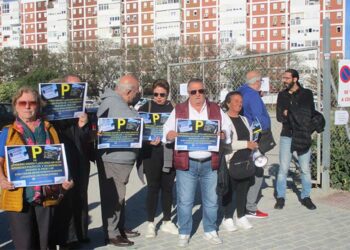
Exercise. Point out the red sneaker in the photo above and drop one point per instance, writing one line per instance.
(257, 214)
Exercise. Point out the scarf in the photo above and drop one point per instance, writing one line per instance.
(40, 136)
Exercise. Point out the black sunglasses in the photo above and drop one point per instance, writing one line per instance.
(200, 91)
(159, 94)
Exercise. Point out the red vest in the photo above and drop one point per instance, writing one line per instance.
(181, 158)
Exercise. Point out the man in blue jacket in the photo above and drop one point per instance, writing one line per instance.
(254, 109)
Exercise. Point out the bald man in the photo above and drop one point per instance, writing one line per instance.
(115, 164)
(254, 109)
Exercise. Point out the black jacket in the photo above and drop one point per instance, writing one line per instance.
(298, 123)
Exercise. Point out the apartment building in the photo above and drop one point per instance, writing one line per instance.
(268, 25)
(10, 24)
(233, 23)
(108, 22)
(258, 25)
(57, 25)
(33, 24)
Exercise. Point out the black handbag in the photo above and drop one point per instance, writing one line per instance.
(223, 177)
(242, 165)
(266, 141)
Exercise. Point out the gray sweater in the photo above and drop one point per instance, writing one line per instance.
(114, 106)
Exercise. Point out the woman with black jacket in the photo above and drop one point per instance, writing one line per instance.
(159, 177)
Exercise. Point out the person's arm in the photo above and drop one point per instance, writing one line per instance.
(4, 183)
(169, 129)
(258, 111)
(226, 126)
(281, 109)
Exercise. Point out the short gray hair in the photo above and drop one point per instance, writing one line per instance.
(253, 80)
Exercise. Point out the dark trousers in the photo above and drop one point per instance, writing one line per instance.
(240, 189)
(81, 206)
(63, 224)
(113, 178)
(30, 228)
(158, 181)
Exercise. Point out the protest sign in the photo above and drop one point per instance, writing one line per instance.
(120, 133)
(64, 100)
(197, 135)
(38, 165)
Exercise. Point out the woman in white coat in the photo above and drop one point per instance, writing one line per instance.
(241, 146)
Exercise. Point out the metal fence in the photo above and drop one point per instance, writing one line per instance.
(229, 74)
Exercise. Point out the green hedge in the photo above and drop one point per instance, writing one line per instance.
(7, 90)
(340, 159)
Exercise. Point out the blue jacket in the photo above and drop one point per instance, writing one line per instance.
(254, 107)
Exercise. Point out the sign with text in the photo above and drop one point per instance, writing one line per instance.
(120, 133)
(64, 100)
(197, 135)
(344, 83)
(153, 125)
(36, 165)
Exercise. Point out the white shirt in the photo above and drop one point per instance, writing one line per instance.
(226, 125)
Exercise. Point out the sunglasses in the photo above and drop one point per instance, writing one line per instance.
(25, 103)
(159, 94)
(200, 91)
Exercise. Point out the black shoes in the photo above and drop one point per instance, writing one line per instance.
(128, 233)
(119, 241)
(308, 203)
(280, 203)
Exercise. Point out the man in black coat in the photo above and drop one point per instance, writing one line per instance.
(295, 109)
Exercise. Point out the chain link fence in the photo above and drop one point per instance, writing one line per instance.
(222, 75)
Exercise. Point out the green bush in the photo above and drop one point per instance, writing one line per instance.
(7, 90)
(340, 159)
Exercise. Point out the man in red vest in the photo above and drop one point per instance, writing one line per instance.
(194, 166)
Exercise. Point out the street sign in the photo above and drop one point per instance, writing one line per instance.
(344, 84)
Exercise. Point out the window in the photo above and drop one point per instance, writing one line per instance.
(254, 20)
(262, 20)
(128, 6)
(283, 33)
(339, 15)
(254, 7)
(103, 6)
(254, 46)
(134, 5)
(274, 45)
(195, 25)
(206, 37)
(338, 43)
(134, 29)
(195, 12)
(262, 33)
(262, 46)
(338, 29)
(262, 7)
(254, 33)
(283, 46)
(207, 24)
(274, 33)
(274, 6)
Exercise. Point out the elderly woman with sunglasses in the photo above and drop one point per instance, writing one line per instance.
(159, 177)
(28, 209)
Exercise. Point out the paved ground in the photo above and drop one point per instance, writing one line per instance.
(294, 227)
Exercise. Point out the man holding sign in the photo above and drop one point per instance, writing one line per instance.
(194, 166)
(115, 164)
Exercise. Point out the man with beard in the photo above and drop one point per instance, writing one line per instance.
(115, 164)
(295, 108)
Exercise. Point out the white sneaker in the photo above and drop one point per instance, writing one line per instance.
(169, 227)
(228, 225)
(183, 240)
(213, 238)
(243, 223)
(151, 230)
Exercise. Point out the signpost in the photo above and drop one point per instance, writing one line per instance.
(344, 84)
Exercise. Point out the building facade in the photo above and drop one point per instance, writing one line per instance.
(257, 25)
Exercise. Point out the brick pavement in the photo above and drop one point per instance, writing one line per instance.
(294, 227)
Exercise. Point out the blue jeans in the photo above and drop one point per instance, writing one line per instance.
(285, 159)
(186, 184)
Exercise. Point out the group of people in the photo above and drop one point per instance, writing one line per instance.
(38, 223)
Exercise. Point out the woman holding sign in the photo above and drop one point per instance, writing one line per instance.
(29, 208)
(158, 165)
(242, 145)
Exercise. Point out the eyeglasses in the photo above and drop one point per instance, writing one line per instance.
(159, 94)
(195, 91)
(25, 103)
